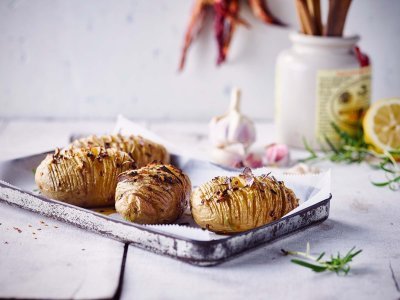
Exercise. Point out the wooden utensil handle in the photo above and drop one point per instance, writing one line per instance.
(307, 26)
(337, 17)
(314, 7)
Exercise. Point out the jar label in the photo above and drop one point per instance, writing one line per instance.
(342, 98)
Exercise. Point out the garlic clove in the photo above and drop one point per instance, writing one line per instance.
(253, 160)
(277, 155)
(231, 156)
(232, 127)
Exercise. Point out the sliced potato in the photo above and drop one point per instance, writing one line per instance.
(236, 204)
(143, 151)
(155, 194)
(83, 177)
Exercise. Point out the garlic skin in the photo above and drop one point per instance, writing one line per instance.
(232, 127)
(302, 169)
(277, 155)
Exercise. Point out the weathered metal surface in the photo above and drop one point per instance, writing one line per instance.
(202, 253)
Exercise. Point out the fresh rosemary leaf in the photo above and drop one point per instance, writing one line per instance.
(330, 144)
(303, 263)
(320, 256)
(350, 255)
(385, 183)
(383, 167)
(380, 184)
(313, 155)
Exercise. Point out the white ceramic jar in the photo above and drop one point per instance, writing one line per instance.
(319, 81)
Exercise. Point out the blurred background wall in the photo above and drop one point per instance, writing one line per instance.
(97, 58)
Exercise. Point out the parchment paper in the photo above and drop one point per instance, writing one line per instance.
(309, 188)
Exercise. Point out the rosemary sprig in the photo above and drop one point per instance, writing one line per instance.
(392, 174)
(337, 264)
(353, 149)
(313, 154)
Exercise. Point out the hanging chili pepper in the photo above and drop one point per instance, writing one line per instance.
(226, 20)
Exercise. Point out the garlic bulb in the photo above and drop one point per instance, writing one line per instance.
(233, 127)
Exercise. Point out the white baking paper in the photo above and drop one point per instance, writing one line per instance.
(309, 188)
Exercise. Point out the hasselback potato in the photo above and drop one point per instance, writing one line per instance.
(83, 177)
(236, 204)
(155, 194)
(143, 151)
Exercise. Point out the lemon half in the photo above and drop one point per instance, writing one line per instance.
(381, 125)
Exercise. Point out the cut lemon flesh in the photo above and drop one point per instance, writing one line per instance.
(381, 125)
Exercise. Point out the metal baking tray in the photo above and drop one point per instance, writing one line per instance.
(14, 190)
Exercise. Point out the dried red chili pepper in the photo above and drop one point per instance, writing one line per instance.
(195, 24)
(362, 58)
(260, 10)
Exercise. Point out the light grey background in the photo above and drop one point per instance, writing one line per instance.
(97, 58)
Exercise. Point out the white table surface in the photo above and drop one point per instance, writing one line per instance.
(61, 261)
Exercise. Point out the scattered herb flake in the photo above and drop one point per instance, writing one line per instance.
(17, 229)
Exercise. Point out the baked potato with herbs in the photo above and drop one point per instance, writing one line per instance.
(141, 150)
(236, 204)
(82, 177)
(155, 194)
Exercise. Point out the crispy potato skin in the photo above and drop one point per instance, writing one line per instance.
(82, 177)
(141, 150)
(155, 194)
(235, 204)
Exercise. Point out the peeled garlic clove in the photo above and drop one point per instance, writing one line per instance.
(233, 127)
(253, 160)
(231, 156)
(277, 155)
